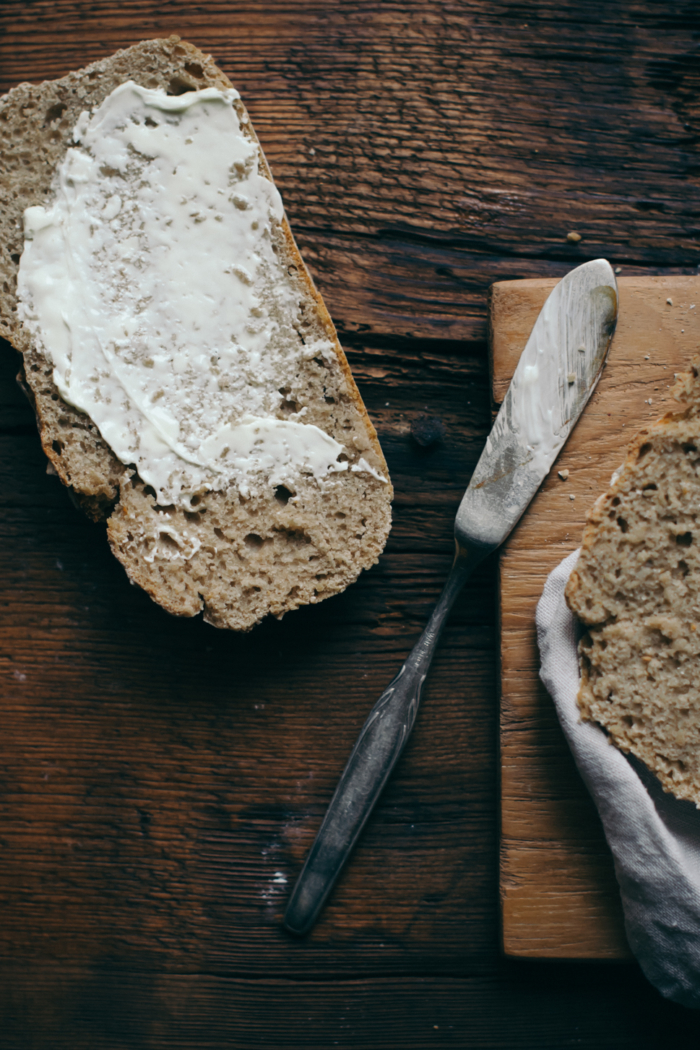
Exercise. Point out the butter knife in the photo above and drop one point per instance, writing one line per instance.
(557, 372)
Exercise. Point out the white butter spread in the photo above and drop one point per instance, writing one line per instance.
(534, 419)
(536, 412)
(152, 285)
(362, 466)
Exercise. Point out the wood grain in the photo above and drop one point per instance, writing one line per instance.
(159, 780)
(559, 896)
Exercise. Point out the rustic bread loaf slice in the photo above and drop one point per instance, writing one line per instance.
(244, 551)
(636, 587)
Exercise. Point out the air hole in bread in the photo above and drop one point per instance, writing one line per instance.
(55, 112)
(57, 447)
(295, 537)
(168, 541)
(219, 533)
(194, 69)
(643, 450)
(253, 541)
(685, 539)
(623, 524)
(283, 495)
(179, 86)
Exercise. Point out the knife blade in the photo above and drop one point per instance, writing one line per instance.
(557, 372)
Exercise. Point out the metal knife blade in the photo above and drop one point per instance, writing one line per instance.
(570, 339)
(557, 372)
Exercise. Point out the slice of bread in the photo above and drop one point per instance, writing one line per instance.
(636, 587)
(233, 555)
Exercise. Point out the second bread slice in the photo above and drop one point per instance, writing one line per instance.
(636, 587)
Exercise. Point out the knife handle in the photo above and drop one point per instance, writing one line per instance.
(375, 754)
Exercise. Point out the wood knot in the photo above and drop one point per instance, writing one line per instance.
(427, 431)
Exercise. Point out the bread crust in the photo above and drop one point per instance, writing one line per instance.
(233, 580)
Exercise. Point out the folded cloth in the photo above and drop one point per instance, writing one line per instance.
(654, 837)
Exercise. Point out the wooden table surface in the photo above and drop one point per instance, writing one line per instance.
(160, 782)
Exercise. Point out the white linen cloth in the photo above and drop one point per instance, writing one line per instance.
(654, 838)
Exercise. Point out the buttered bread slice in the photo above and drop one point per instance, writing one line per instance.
(187, 379)
(636, 587)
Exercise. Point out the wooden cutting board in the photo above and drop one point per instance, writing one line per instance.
(558, 891)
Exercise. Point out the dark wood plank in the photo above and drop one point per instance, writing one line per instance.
(159, 780)
(103, 1007)
(182, 771)
(423, 152)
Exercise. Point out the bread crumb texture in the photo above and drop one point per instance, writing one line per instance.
(636, 587)
(235, 558)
